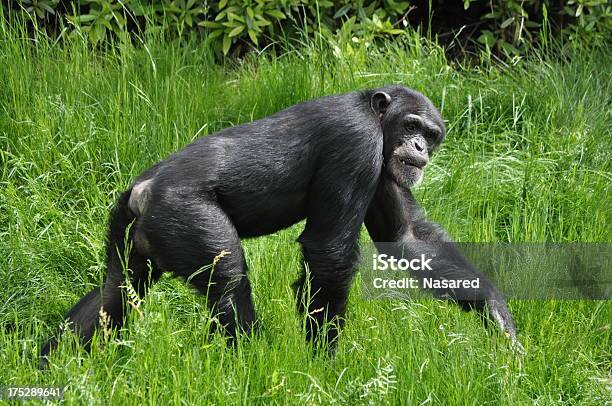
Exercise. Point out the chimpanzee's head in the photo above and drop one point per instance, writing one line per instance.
(412, 129)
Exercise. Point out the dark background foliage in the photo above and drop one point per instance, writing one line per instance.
(507, 28)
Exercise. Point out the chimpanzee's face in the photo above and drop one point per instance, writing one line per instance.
(412, 128)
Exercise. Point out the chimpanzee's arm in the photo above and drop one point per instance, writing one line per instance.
(398, 227)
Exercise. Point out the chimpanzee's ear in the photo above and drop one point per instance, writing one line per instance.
(379, 103)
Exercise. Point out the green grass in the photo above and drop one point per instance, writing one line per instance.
(527, 158)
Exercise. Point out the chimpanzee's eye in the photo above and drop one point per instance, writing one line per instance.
(411, 126)
(431, 136)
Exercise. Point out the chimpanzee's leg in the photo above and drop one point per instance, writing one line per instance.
(329, 277)
(329, 246)
(187, 233)
(124, 265)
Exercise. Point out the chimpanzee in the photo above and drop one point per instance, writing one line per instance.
(336, 161)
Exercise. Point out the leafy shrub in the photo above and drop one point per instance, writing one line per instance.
(234, 20)
(508, 27)
(39, 8)
(229, 23)
(102, 16)
(593, 19)
(258, 22)
(514, 25)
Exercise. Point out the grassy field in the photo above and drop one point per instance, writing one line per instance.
(527, 158)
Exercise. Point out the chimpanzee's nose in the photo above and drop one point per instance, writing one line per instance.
(419, 144)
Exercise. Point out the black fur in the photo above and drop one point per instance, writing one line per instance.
(320, 160)
(395, 216)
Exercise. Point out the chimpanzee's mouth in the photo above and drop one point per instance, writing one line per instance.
(406, 172)
(409, 163)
